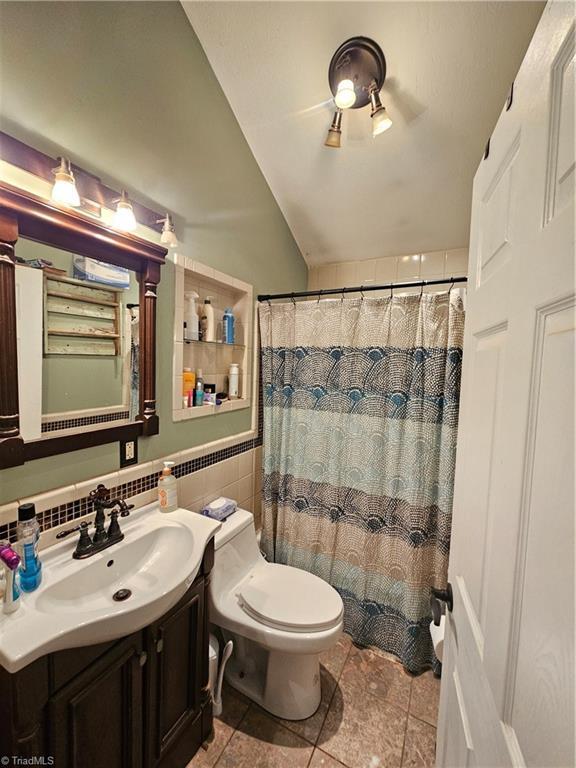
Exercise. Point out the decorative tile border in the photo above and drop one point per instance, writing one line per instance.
(65, 513)
(83, 421)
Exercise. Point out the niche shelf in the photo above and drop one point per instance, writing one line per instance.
(212, 357)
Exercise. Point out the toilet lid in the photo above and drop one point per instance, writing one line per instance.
(288, 598)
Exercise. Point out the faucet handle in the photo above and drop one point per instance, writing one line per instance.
(68, 531)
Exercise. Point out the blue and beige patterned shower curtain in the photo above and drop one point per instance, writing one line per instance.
(360, 418)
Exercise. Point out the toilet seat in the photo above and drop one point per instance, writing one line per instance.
(290, 599)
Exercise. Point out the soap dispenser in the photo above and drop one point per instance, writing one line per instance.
(10, 560)
(168, 489)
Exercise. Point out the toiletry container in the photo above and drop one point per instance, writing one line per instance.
(228, 327)
(208, 324)
(191, 321)
(10, 560)
(233, 381)
(168, 489)
(199, 391)
(28, 534)
(188, 382)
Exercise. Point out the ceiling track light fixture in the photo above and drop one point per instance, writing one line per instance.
(356, 75)
(168, 236)
(124, 218)
(64, 190)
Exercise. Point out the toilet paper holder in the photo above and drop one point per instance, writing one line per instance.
(438, 597)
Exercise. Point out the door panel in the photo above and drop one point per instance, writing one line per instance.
(507, 693)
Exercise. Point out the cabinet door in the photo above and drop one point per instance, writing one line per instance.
(95, 721)
(176, 648)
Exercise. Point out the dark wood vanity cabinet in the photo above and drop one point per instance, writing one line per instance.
(138, 702)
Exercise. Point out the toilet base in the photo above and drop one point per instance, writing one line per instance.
(285, 684)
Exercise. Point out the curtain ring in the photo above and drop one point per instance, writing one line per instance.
(319, 296)
(342, 296)
(451, 285)
(293, 300)
(422, 284)
(391, 290)
(362, 292)
(269, 304)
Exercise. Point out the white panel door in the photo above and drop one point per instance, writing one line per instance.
(507, 695)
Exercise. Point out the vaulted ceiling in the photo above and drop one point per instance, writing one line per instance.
(450, 66)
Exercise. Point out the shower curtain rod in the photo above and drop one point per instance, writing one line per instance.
(359, 289)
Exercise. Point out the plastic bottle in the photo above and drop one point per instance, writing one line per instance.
(28, 534)
(199, 391)
(191, 322)
(233, 381)
(188, 383)
(208, 324)
(228, 327)
(168, 489)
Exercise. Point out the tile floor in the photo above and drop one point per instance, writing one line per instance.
(372, 715)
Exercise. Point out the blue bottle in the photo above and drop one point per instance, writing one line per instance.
(228, 327)
(28, 534)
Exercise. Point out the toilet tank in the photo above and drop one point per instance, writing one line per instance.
(236, 551)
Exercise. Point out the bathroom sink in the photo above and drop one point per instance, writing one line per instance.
(111, 594)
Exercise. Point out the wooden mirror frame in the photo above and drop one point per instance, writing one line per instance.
(23, 214)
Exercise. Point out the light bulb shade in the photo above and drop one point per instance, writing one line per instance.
(168, 236)
(345, 95)
(64, 190)
(124, 217)
(335, 131)
(380, 121)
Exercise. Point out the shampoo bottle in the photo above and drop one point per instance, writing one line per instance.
(28, 534)
(168, 489)
(191, 322)
(208, 324)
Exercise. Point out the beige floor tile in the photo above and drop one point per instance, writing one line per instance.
(420, 745)
(322, 760)
(234, 707)
(261, 742)
(362, 730)
(425, 697)
(378, 675)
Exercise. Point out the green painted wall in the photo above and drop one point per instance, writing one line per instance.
(126, 91)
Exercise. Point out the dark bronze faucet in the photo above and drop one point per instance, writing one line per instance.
(102, 538)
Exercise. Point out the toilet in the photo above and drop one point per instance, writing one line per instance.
(280, 619)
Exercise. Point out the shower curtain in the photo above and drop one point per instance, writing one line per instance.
(360, 404)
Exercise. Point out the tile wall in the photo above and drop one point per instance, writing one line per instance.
(421, 266)
(229, 467)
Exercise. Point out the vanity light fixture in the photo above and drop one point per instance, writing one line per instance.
(168, 236)
(356, 76)
(124, 218)
(64, 190)
(335, 131)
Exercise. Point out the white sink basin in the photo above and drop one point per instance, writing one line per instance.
(157, 561)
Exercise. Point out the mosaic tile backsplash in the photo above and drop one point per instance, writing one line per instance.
(65, 513)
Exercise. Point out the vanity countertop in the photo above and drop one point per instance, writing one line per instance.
(157, 561)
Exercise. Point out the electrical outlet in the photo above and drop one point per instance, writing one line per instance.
(128, 452)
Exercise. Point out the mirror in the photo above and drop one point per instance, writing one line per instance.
(78, 368)
(78, 342)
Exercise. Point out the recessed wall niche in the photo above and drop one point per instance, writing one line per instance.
(213, 358)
